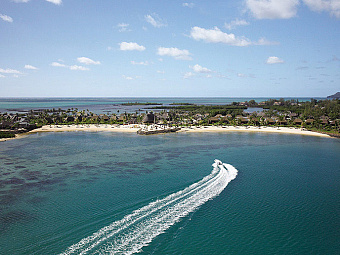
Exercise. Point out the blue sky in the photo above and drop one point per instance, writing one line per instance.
(120, 48)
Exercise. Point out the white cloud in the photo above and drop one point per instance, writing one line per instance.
(331, 6)
(144, 63)
(188, 75)
(221, 76)
(272, 9)
(123, 27)
(9, 71)
(30, 67)
(6, 18)
(217, 36)
(235, 23)
(199, 69)
(80, 68)
(190, 5)
(274, 60)
(56, 64)
(242, 75)
(155, 21)
(131, 46)
(130, 77)
(127, 77)
(264, 41)
(74, 67)
(56, 2)
(20, 1)
(161, 72)
(175, 53)
(87, 61)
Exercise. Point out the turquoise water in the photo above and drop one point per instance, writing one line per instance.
(58, 188)
(113, 104)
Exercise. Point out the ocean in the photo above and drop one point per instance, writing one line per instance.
(115, 193)
(113, 104)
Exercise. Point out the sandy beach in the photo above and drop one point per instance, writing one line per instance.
(134, 128)
(90, 128)
(263, 129)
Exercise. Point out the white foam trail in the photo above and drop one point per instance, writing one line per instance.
(130, 234)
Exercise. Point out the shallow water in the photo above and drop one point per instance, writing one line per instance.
(58, 188)
(112, 104)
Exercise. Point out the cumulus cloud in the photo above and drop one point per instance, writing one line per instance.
(80, 68)
(236, 23)
(56, 64)
(331, 6)
(130, 77)
(87, 61)
(29, 67)
(2, 76)
(123, 27)
(56, 2)
(190, 5)
(217, 36)
(188, 75)
(143, 63)
(155, 20)
(274, 60)
(9, 71)
(199, 69)
(6, 18)
(272, 9)
(131, 46)
(74, 67)
(175, 53)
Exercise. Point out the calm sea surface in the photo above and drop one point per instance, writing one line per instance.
(59, 188)
(105, 105)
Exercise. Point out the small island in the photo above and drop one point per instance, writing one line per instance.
(139, 103)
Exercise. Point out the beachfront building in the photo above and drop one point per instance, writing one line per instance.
(149, 118)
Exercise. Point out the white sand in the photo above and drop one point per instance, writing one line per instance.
(134, 128)
(282, 130)
(90, 127)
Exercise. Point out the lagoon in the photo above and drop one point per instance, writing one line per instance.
(57, 188)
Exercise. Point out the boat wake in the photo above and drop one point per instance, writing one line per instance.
(138, 229)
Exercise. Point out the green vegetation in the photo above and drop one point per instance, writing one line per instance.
(4, 134)
(321, 116)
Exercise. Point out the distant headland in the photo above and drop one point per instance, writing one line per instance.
(336, 95)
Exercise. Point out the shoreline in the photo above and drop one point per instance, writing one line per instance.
(135, 127)
(262, 129)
